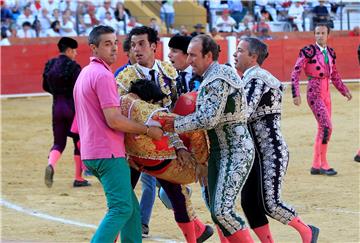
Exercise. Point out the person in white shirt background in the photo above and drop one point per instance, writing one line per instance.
(296, 11)
(225, 23)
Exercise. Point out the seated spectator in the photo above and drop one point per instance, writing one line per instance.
(102, 11)
(215, 35)
(90, 20)
(264, 34)
(122, 16)
(264, 13)
(260, 25)
(67, 27)
(132, 23)
(55, 15)
(154, 25)
(4, 39)
(355, 31)
(295, 14)
(247, 22)
(183, 31)
(44, 19)
(198, 30)
(54, 30)
(247, 33)
(39, 31)
(225, 23)
(26, 16)
(321, 14)
(110, 21)
(26, 31)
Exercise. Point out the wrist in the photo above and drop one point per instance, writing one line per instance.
(147, 130)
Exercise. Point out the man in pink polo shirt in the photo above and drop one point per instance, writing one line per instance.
(101, 128)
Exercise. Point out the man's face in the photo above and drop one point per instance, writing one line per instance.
(242, 58)
(321, 35)
(144, 51)
(107, 49)
(196, 59)
(178, 59)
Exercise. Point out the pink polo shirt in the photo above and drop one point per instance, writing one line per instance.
(95, 89)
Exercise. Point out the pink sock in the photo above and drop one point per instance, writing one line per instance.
(240, 236)
(302, 228)
(78, 168)
(324, 161)
(264, 234)
(188, 230)
(199, 227)
(221, 235)
(317, 153)
(54, 156)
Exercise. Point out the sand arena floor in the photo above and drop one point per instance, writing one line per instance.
(29, 209)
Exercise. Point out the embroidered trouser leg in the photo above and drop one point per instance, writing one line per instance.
(262, 191)
(231, 158)
(320, 104)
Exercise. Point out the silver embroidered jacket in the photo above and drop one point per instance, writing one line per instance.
(264, 93)
(221, 99)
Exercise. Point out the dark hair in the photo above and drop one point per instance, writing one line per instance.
(147, 90)
(94, 36)
(323, 24)
(26, 23)
(142, 30)
(126, 44)
(65, 43)
(208, 45)
(257, 47)
(53, 24)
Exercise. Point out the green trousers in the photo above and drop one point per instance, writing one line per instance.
(123, 208)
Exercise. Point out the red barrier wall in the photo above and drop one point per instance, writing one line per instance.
(22, 66)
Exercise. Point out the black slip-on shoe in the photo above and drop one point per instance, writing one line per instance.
(328, 172)
(314, 233)
(81, 183)
(208, 232)
(49, 176)
(314, 171)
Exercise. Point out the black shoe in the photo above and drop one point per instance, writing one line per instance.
(314, 171)
(314, 233)
(328, 172)
(145, 231)
(81, 183)
(208, 232)
(49, 175)
(357, 158)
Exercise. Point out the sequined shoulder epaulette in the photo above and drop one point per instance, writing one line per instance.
(223, 72)
(125, 77)
(168, 70)
(308, 51)
(265, 76)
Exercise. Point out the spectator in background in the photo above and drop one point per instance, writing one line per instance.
(4, 39)
(26, 31)
(355, 31)
(198, 30)
(215, 35)
(39, 31)
(44, 19)
(260, 25)
(167, 14)
(295, 14)
(183, 31)
(267, 16)
(67, 27)
(110, 21)
(90, 19)
(50, 5)
(26, 16)
(247, 22)
(102, 11)
(54, 30)
(225, 23)
(247, 33)
(132, 24)
(264, 34)
(5, 12)
(154, 25)
(55, 15)
(321, 14)
(122, 16)
(68, 4)
(237, 11)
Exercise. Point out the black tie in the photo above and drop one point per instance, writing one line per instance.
(152, 74)
(182, 79)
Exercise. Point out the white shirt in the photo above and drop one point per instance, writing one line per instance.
(225, 25)
(296, 12)
(52, 33)
(28, 34)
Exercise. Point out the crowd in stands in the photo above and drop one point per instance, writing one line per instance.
(53, 18)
